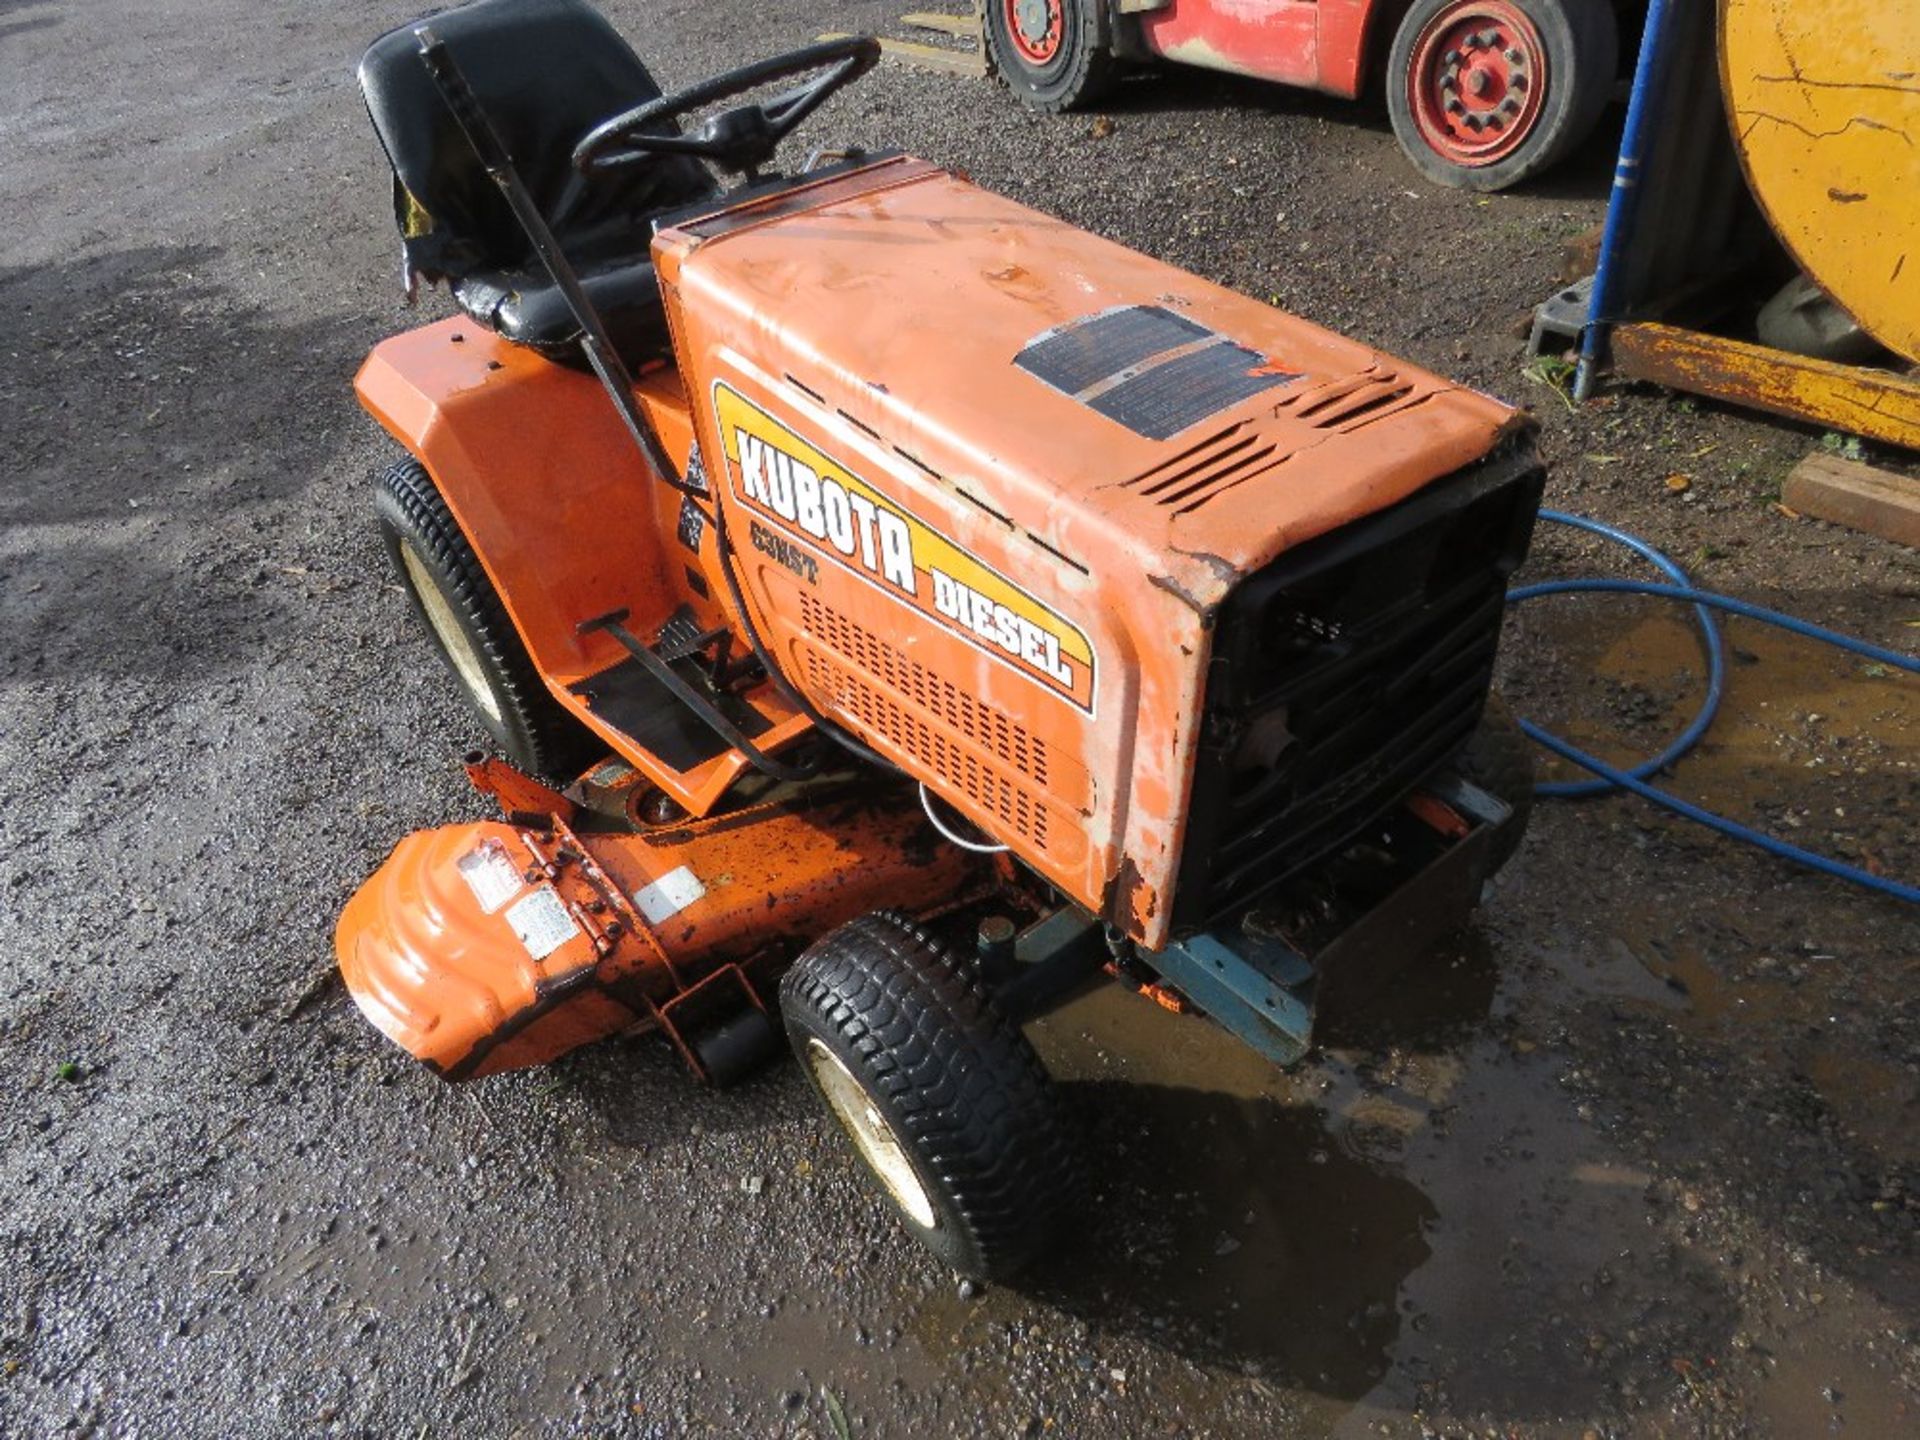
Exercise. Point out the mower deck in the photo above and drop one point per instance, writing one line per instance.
(502, 944)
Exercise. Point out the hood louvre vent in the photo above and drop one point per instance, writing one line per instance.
(1217, 464)
(1251, 449)
(1352, 402)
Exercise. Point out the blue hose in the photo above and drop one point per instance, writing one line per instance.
(1634, 779)
(1709, 635)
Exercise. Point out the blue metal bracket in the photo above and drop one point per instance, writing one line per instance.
(1259, 989)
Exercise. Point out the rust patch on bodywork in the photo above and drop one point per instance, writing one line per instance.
(1131, 899)
(1184, 596)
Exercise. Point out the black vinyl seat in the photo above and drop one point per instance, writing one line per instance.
(546, 72)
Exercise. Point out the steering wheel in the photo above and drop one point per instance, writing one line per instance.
(738, 140)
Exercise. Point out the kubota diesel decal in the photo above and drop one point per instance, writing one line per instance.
(809, 495)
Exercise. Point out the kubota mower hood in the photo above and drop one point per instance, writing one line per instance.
(1087, 394)
(993, 480)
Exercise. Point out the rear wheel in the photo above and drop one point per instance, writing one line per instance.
(945, 1102)
(453, 597)
(1051, 53)
(1484, 93)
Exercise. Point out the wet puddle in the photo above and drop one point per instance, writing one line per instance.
(1249, 1222)
(1247, 1229)
(1812, 745)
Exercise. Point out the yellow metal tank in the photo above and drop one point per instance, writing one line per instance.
(1825, 104)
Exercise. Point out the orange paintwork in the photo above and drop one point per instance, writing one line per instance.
(516, 792)
(1438, 816)
(436, 962)
(559, 507)
(1035, 647)
(1320, 44)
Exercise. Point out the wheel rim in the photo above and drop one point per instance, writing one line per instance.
(879, 1147)
(1037, 28)
(447, 629)
(1477, 81)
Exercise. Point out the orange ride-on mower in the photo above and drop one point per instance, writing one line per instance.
(916, 607)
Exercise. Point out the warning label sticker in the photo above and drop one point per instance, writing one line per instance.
(542, 922)
(491, 874)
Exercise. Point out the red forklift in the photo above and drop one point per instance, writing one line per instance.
(1482, 93)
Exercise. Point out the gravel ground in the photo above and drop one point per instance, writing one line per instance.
(1637, 1156)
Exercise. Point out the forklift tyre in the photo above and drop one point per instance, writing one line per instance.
(1498, 758)
(946, 1103)
(1471, 131)
(1053, 54)
(461, 610)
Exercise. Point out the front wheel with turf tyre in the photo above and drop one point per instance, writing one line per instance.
(1485, 93)
(469, 625)
(1053, 54)
(1498, 758)
(946, 1103)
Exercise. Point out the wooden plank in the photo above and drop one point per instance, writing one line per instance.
(961, 27)
(930, 57)
(1858, 496)
(1857, 399)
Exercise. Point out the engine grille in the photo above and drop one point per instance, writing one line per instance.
(1023, 786)
(1342, 675)
(988, 787)
(989, 728)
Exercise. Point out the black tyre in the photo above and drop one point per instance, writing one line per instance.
(943, 1098)
(458, 605)
(1498, 758)
(1052, 53)
(1485, 93)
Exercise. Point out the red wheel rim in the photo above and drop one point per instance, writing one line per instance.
(1036, 28)
(1477, 81)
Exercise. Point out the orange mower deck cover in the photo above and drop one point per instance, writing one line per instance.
(493, 945)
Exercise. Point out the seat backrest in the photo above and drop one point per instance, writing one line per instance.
(545, 72)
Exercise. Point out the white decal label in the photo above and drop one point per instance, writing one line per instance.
(491, 874)
(542, 922)
(669, 895)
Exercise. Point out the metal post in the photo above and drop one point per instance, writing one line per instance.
(1645, 109)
